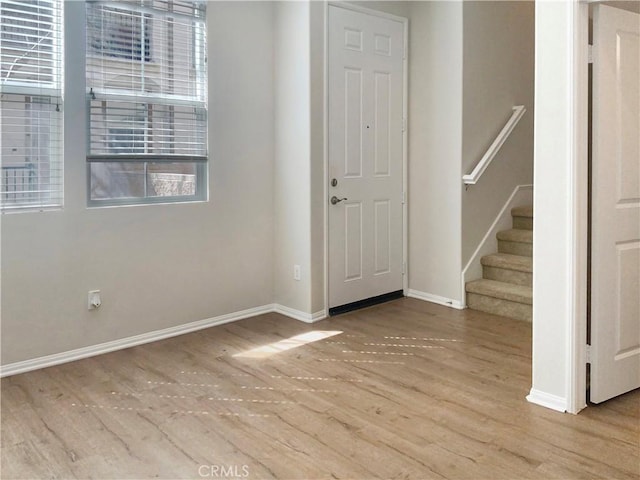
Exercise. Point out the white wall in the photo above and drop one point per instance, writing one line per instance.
(161, 265)
(497, 74)
(292, 176)
(435, 147)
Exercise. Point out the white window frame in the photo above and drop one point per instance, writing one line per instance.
(146, 158)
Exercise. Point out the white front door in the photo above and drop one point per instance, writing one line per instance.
(365, 71)
(615, 251)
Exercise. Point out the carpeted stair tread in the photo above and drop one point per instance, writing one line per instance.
(506, 286)
(525, 211)
(501, 290)
(498, 306)
(516, 235)
(507, 261)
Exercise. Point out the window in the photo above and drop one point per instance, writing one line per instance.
(147, 101)
(31, 87)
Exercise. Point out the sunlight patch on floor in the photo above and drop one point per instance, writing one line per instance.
(287, 344)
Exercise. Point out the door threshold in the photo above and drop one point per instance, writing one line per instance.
(367, 302)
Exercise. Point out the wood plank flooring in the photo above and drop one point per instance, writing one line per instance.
(408, 389)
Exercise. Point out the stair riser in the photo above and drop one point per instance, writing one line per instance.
(515, 248)
(507, 276)
(496, 306)
(523, 223)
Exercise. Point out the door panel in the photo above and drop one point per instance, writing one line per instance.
(382, 229)
(365, 155)
(628, 305)
(353, 241)
(353, 122)
(615, 250)
(381, 125)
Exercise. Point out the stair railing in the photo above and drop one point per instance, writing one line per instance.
(474, 176)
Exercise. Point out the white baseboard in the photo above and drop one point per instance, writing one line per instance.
(428, 297)
(547, 400)
(99, 349)
(521, 195)
(298, 314)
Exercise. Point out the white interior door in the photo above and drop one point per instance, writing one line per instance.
(365, 70)
(615, 253)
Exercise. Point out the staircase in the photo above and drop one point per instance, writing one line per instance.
(505, 288)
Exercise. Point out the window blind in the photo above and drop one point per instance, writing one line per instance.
(126, 128)
(31, 85)
(147, 96)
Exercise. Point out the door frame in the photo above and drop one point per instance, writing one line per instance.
(579, 234)
(405, 101)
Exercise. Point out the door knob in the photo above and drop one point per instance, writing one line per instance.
(334, 200)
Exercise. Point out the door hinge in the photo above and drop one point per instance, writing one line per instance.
(587, 353)
(590, 53)
(404, 197)
(404, 268)
(404, 124)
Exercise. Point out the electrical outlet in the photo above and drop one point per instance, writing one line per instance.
(94, 300)
(296, 272)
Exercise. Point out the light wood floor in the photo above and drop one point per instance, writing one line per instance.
(407, 390)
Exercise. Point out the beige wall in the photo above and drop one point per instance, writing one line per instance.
(435, 147)
(292, 184)
(160, 265)
(469, 63)
(497, 74)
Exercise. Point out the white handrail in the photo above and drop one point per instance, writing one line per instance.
(473, 177)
